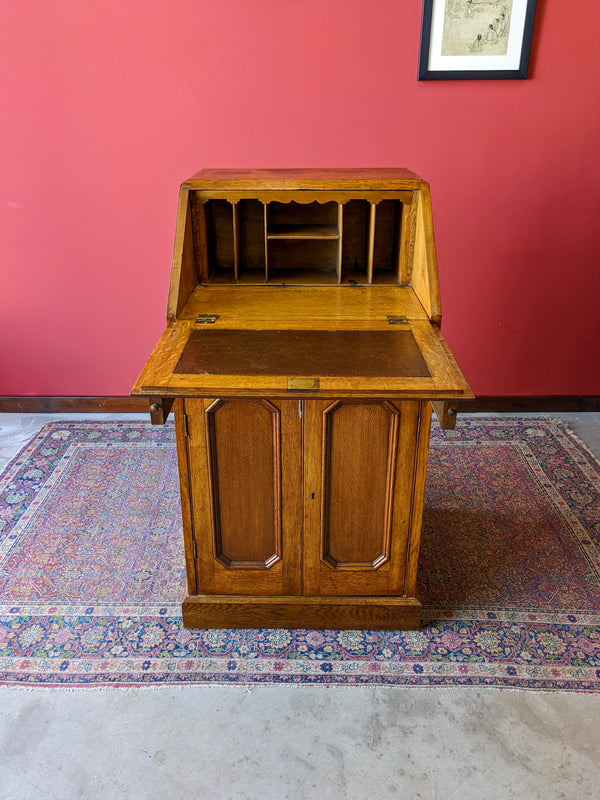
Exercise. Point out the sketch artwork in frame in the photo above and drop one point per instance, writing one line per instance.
(475, 39)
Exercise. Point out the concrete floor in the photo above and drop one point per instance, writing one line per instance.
(231, 743)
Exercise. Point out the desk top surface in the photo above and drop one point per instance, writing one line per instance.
(263, 337)
(299, 179)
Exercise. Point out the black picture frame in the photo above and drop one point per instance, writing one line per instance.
(516, 71)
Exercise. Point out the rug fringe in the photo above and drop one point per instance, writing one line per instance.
(250, 688)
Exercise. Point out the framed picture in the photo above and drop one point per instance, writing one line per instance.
(475, 39)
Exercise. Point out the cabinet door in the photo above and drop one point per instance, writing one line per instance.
(244, 466)
(361, 459)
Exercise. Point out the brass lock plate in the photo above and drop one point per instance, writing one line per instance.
(393, 320)
(304, 385)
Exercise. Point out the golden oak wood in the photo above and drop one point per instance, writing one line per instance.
(159, 409)
(183, 272)
(244, 458)
(445, 411)
(358, 481)
(331, 303)
(424, 269)
(419, 473)
(189, 533)
(303, 355)
(303, 179)
(346, 613)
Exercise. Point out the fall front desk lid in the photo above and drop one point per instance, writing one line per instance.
(409, 361)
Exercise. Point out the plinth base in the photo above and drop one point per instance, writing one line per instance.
(338, 613)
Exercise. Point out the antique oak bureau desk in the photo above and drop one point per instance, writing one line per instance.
(302, 358)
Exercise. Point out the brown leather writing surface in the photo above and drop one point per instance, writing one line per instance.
(296, 352)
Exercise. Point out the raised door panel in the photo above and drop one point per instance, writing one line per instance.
(359, 454)
(245, 474)
(359, 466)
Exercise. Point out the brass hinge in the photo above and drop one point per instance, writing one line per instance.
(195, 549)
(304, 385)
(207, 319)
(186, 426)
(397, 320)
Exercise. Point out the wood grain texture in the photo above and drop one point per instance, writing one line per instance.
(159, 367)
(185, 487)
(303, 232)
(418, 474)
(340, 229)
(446, 375)
(446, 412)
(244, 455)
(445, 382)
(404, 494)
(359, 459)
(371, 241)
(323, 613)
(278, 386)
(404, 238)
(372, 437)
(424, 275)
(236, 242)
(237, 194)
(265, 238)
(246, 304)
(183, 271)
(200, 238)
(245, 485)
(160, 408)
(357, 179)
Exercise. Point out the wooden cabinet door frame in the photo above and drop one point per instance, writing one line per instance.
(373, 504)
(385, 442)
(243, 462)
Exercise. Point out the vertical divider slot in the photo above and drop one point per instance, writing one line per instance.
(340, 225)
(201, 235)
(236, 241)
(266, 228)
(403, 243)
(371, 241)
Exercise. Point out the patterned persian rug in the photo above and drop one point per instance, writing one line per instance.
(91, 570)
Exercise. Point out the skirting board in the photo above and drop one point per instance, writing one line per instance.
(74, 405)
(137, 405)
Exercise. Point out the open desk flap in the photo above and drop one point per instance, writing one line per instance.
(407, 360)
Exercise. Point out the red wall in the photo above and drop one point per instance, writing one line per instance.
(108, 105)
